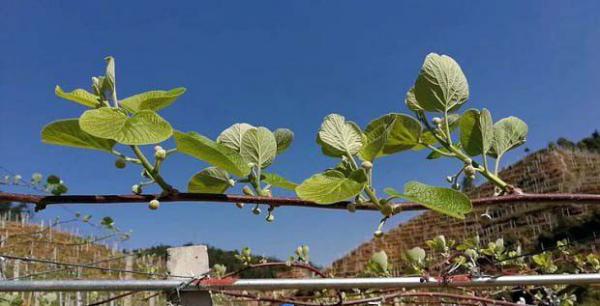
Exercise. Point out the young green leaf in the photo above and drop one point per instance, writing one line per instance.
(436, 154)
(68, 133)
(154, 100)
(443, 200)
(379, 262)
(509, 133)
(416, 255)
(476, 131)
(211, 152)
(411, 101)
(339, 137)
(284, 139)
(110, 79)
(389, 134)
(332, 186)
(144, 127)
(259, 146)
(210, 180)
(376, 136)
(441, 85)
(80, 96)
(278, 181)
(232, 136)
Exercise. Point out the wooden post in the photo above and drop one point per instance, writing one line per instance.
(189, 261)
(128, 300)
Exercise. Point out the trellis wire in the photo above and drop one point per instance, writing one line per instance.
(292, 283)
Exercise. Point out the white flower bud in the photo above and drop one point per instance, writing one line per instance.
(367, 165)
(154, 204)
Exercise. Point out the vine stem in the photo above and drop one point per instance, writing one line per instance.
(152, 171)
(368, 190)
(42, 201)
(492, 178)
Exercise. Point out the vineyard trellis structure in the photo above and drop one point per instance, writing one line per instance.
(232, 285)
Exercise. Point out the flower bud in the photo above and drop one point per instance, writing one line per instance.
(251, 165)
(449, 179)
(436, 120)
(247, 191)
(160, 154)
(154, 204)
(456, 186)
(470, 170)
(378, 233)
(265, 193)
(36, 177)
(120, 163)
(256, 210)
(246, 251)
(239, 205)
(387, 210)
(270, 218)
(136, 189)
(367, 165)
(351, 207)
(231, 182)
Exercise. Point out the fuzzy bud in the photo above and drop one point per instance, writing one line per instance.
(154, 204)
(256, 210)
(351, 207)
(367, 165)
(120, 163)
(378, 233)
(239, 205)
(247, 191)
(136, 189)
(270, 218)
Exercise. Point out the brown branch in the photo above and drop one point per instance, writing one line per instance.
(41, 201)
(372, 299)
(277, 264)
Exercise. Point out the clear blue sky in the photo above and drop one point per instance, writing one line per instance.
(284, 64)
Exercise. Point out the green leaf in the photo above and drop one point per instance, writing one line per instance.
(209, 180)
(487, 130)
(339, 137)
(259, 146)
(404, 134)
(416, 255)
(80, 96)
(211, 152)
(509, 133)
(232, 136)
(144, 127)
(441, 85)
(284, 139)
(278, 181)
(110, 80)
(376, 136)
(389, 134)
(380, 261)
(68, 133)
(436, 154)
(476, 131)
(443, 200)
(411, 101)
(154, 100)
(331, 186)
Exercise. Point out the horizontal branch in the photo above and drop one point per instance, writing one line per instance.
(42, 201)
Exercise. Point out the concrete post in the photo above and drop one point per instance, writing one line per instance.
(189, 261)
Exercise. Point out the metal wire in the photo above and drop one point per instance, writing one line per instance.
(88, 266)
(278, 284)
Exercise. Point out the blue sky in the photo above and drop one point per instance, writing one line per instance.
(284, 64)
